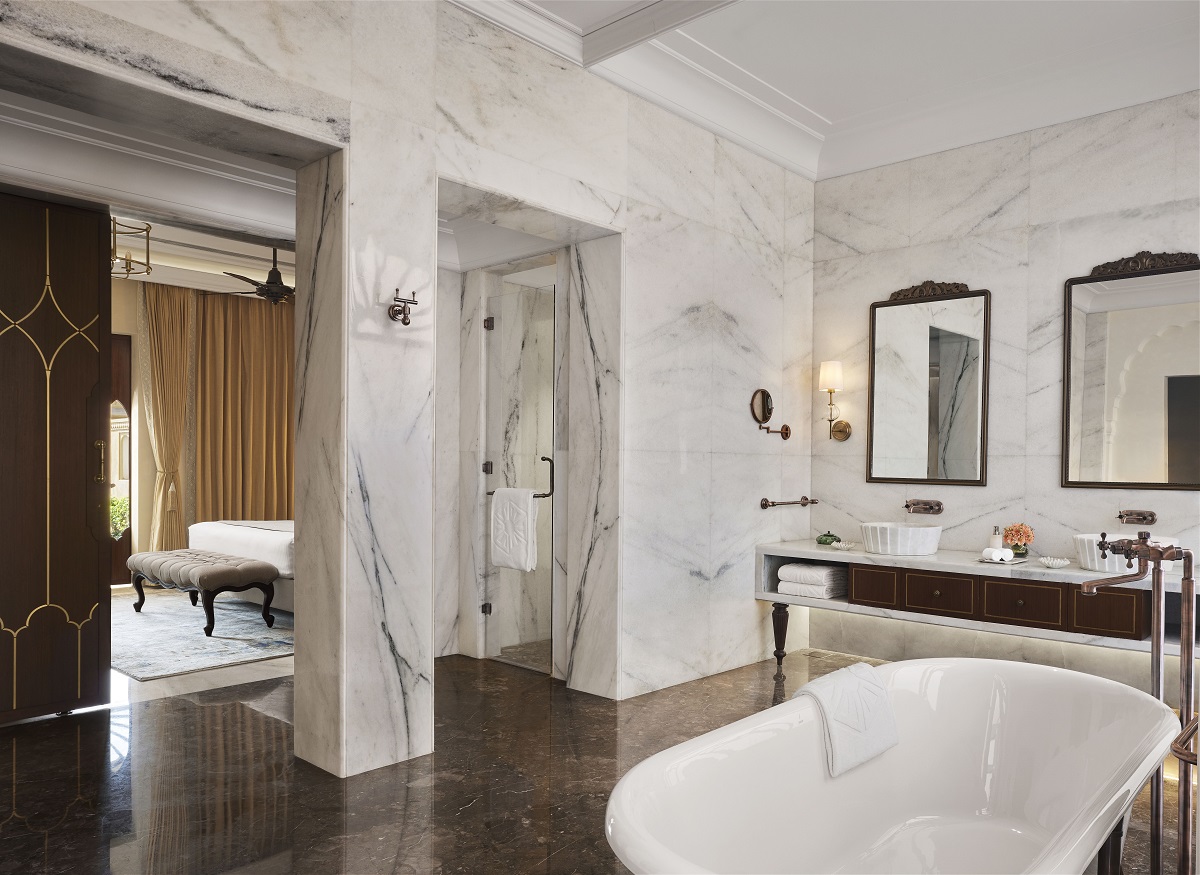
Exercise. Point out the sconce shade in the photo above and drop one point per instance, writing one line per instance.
(831, 377)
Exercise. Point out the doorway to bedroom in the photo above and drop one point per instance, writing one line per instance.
(202, 440)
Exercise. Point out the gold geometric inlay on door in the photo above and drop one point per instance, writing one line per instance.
(48, 367)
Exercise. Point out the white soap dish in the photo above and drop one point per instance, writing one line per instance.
(844, 545)
(1054, 561)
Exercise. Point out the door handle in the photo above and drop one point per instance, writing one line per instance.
(102, 473)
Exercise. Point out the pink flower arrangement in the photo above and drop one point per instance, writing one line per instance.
(1019, 534)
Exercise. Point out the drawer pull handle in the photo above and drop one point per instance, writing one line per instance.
(937, 593)
(1020, 603)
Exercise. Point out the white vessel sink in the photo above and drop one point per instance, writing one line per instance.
(898, 539)
(1088, 550)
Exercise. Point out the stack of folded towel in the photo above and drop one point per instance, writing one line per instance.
(812, 581)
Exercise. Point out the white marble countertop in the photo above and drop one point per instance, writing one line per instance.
(961, 561)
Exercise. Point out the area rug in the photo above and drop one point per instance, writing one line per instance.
(167, 638)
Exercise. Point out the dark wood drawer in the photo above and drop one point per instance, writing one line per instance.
(877, 587)
(1025, 603)
(933, 593)
(1115, 613)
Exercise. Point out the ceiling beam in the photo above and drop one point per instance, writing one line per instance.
(643, 25)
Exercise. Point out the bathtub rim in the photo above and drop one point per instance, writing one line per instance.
(1094, 822)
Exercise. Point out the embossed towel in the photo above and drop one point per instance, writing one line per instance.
(856, 714)
(514, 529)
(800, 572)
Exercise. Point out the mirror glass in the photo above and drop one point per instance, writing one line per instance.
(1131, 368)
(761, 406)
(928, 388)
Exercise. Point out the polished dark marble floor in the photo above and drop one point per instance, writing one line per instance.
(206, 782)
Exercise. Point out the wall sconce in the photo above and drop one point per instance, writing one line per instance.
(830, 381)
(398, 310)
(125, 266)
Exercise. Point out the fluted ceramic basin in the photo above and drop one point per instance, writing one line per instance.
(1088, 550)
(899, 539)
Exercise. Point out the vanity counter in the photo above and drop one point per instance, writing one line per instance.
(770, 557)
(960, 561)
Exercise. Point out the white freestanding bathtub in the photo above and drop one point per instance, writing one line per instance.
(1001, 767)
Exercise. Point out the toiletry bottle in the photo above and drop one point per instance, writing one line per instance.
(996, 541)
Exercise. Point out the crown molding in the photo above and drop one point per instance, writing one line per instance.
(527, 22)
(662, 76)
(642, 25)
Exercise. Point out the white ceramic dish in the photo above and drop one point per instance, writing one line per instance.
(1054, 561)
(1004, 561)
(844, 545)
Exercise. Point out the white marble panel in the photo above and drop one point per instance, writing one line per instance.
(446, 463)
(746, 324)
(666, 573)
(977, 189)
(308, 43)
(389, 437)
(795, 398)
(671, 162)
(501, 92)
(593, 518)
(847, 500)
(799, 210)
(971, 511)
(795, 522)
(1103, 163)
(751, 195)
(320, 487)
(668, 340)
(1187, 145)
(863, 212)
(401, 39)
(738, 626)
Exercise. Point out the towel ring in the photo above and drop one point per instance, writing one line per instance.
(541, 494)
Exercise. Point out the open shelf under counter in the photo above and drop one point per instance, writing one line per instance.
(769, 558)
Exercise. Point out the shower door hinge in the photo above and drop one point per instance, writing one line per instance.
(486, 608)
(489, 323)
(487, 467)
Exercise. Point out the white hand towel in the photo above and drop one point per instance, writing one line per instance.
(812, 590)
(798, 572)
(856, 714)
(514, 529)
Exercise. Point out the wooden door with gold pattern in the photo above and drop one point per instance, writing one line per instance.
(55, 318)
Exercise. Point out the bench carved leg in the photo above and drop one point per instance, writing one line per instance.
(268, 590)
(208, 596)
(141, 593)
(779, 620)
(192, 594)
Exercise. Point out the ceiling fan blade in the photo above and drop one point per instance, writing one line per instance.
(245, 279)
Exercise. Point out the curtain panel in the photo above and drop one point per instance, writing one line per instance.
(245, 433)
(166, 321)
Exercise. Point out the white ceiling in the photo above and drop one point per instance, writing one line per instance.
(828, 87)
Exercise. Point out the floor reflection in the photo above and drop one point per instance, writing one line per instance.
(206, 782)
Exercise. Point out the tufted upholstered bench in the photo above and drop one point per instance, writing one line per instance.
(205, 574)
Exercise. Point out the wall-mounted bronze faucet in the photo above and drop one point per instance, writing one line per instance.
(1137, 517)
(923, 505)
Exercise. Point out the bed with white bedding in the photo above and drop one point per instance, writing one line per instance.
(266, 540)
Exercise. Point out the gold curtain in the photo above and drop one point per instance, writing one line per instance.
(245, 436)
(167, 324)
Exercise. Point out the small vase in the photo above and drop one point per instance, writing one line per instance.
(1020, 551)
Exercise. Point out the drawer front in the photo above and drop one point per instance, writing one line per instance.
(946, 594)
(1025, 603)
(878, 587)
(1117, 614)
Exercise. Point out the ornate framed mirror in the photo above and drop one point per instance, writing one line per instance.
(928, 395)
(1131, 374)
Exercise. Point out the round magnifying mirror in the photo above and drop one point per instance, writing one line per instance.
(761, 406)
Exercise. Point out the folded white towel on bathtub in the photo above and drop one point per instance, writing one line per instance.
(798, 572)
(856, 713)
(813, 590)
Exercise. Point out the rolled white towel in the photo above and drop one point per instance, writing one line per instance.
(798, 572)
(813, 590)
(998, 554)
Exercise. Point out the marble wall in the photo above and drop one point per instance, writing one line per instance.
(1018, 216)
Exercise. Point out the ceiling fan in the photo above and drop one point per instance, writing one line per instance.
(273, 289)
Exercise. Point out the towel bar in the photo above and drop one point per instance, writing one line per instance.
(804, 501)
(541, 494)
